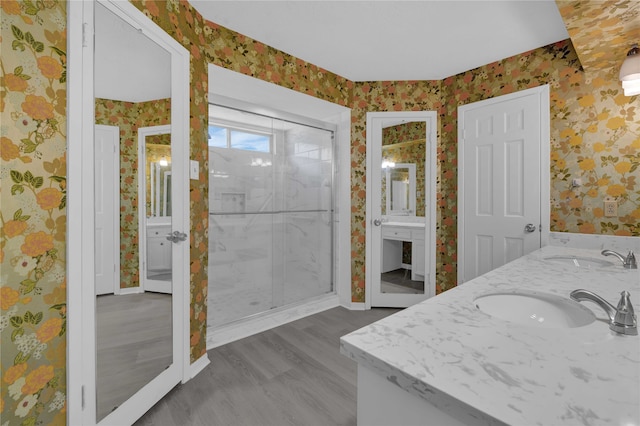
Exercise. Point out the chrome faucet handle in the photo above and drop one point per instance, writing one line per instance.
(628, 262)
(622, 319)
(625, 321)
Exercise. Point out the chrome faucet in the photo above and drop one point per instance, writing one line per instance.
(628, 262)
(622, 319)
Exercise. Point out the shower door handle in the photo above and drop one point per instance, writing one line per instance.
(177, 236)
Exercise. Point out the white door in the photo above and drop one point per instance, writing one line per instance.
(107, 206)
(500, 151)
(400, 239)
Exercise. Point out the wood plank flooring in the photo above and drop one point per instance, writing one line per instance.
(291, 375)
(133, 334)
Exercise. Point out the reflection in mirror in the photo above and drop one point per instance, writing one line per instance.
(158, 174)
(133, 322)
(403, 208)
(400, 189)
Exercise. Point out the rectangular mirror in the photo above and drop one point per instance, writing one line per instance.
(400, 188)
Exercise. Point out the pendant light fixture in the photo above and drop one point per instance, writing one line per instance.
(630, 72)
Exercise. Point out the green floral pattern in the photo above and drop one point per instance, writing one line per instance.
(33, 217)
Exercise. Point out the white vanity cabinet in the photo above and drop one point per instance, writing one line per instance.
(393, 234)
(158, 249)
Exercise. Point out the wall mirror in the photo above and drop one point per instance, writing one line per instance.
(139, 345)
(400, 165)
(400, 189)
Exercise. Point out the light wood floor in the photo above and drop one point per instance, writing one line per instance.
(291, 375)
(133, 335)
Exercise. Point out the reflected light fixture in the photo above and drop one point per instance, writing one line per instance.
(388, 164)
(630, 72)
(163, 162)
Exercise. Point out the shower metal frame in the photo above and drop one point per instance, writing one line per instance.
(241, 106)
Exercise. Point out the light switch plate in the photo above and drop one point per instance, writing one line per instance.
(194, 169)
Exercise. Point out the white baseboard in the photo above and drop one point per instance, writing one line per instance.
(266, 321)
(130, 290)
(199, 365)
(357, 306)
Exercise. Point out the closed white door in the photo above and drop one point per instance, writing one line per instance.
(500, 180)
(107, 226)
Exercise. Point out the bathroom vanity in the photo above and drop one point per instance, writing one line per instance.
(393, 235)
(445, 361)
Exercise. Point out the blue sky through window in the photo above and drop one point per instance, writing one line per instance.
(219, 138)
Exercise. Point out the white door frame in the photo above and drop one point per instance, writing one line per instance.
(374, 157)
(545, 200)
(115, 206)
(81, 329)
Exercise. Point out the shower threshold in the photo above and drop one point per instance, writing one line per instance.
(257, 323)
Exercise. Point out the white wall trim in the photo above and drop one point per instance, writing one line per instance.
(129, 290)
(545, 200)
(79, 90)
(198, 365)
(357, 306)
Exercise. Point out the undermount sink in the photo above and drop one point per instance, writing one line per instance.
(580, 262)
(535, 309)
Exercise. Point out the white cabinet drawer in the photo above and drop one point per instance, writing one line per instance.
(396, 233)
(417, 234)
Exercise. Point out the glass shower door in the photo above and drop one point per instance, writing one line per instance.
(270, 231)
(307, 212)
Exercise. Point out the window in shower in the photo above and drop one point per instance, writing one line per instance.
(221, 136)
(271, 209)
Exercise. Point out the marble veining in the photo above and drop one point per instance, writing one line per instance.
(484, 370)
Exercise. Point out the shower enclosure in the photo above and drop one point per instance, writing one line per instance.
(271, 213)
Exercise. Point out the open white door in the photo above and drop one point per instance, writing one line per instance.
(400, 231)
(84, 356)
(107, 205)
(501, 177)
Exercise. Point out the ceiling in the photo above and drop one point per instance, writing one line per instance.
(129, 66)
(393, 40)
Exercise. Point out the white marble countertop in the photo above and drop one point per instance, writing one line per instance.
(483, 370)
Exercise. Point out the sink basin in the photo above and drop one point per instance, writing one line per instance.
(580, 262)
(535, 309)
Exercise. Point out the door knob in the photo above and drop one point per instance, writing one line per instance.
(177, 236)
(377, 222)
(529, 227)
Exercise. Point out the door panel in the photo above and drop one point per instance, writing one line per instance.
(400, 240)
(106, 164)
(500, 165)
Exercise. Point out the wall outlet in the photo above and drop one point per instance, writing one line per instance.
(610, 208)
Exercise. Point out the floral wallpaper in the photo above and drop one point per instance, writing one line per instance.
(602, 32)
(181, 21)
(33, 217)
(129, 117)
(595, 136)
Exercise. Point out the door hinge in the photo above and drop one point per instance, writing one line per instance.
(84, 34)
(82, 396)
